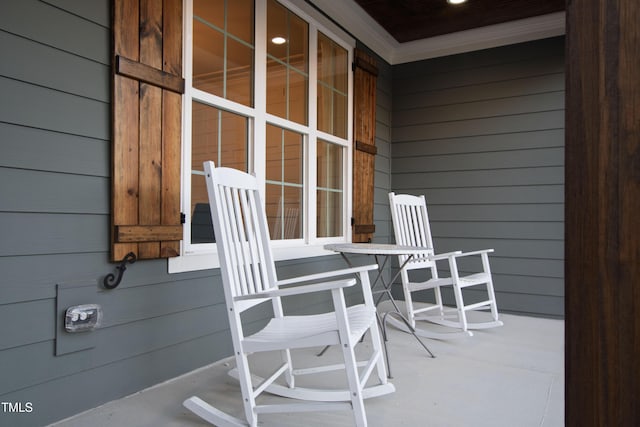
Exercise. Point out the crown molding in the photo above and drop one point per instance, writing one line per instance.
(522, 30)
(353, 19)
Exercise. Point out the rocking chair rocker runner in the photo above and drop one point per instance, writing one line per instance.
(411, 227)
(249, 278)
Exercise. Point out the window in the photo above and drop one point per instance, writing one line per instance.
(267, 90)
(261, 86)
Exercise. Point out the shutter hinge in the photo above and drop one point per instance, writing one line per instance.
(353, 66)
(183, 218)
(353, 221)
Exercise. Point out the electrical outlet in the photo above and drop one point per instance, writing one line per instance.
(81, 318)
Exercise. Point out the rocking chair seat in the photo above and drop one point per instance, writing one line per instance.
(463, 282)
(309, 330)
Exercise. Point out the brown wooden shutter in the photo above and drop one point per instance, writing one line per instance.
(364, 153)
(147, 115)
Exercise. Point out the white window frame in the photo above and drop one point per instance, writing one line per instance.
(204, 256)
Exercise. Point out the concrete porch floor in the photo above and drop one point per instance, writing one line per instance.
(507, 376)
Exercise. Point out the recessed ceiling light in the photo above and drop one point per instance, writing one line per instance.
(278, 40)
(456, 1)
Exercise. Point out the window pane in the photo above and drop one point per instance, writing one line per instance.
(341, 68)
(329, 214)
(284, 189)
(298, 100)
(208, 59)
(330, 189)
(223, 49)
(340, 114)
(277, 27)
(211, 11)
(220, 136)
(240, 19)
(239, 73)
(287, 64)
(292, 157)
(284, 212)
(325, 108)
(332, 87)
(275, 149)
(276, 89)
(298, 43)
(325, 63)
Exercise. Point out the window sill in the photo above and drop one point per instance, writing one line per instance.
(205, 261)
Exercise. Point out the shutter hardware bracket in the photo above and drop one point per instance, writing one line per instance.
(110, 280)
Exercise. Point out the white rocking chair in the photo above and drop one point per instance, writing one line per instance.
(249, 278)
(411, 227)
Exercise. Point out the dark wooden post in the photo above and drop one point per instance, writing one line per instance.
(603, 213)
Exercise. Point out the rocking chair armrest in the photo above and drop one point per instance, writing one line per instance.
(444, 255)
(479, 252)
(298, 290)
(326, 275)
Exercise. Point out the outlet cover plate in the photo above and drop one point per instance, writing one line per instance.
(69, 295)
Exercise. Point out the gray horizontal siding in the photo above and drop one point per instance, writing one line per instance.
(481, 143)
(509, 123)
(486, 161)
(526, 85)
(481, 135)
(34, 106)
(515, 105)
(30, 58)
(505, 212)
(98, 13)
(54, 223)
(490, 66)
(39, 234)
(176, 328)
(508, 250)
(68, 31)
(90, 155)
(126, 376)
(47, 192)
(32, 328)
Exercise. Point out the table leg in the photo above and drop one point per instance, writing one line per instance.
(387, 291)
